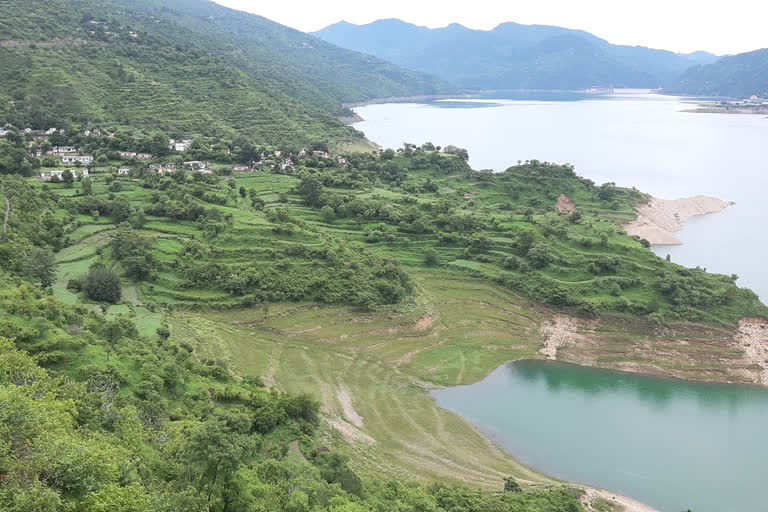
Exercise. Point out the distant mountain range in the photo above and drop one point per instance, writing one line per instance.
(514, 56)
(739, 76)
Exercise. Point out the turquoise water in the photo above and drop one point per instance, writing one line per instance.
(631, 138)
(670, 443)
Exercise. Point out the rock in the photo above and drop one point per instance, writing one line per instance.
(564, 204)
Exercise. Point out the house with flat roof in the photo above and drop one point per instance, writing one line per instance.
(71, 159)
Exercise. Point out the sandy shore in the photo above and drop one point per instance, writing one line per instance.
(629, 504)
(658, 219)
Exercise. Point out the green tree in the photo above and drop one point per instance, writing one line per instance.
(68, 178)
(134, 250)
(101, 284)
(511, 485)
(430, 257)
(42, 267)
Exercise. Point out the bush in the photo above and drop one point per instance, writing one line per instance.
(430, 257)
(102, 285)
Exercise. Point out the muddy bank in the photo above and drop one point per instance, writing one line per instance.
(658, 219)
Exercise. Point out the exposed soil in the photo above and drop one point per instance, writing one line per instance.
(753, 338)
(628, 504)
(658, 219)
(346, 405)
(565, 204)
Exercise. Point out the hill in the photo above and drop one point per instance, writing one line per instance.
(184, 66)
(735, 76)
(266, 340)
(513, 56)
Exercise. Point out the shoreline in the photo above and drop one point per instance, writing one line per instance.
(591, 492)
(658, 219)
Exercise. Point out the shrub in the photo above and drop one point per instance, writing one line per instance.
(102, 285)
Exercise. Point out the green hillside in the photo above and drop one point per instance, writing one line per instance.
(186, 67)
(266, 341)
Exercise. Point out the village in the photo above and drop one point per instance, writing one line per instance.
(59, 162)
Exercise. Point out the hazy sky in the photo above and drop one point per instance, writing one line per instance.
(678, 25)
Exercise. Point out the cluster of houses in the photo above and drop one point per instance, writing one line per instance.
(138, 156)
(59, 173)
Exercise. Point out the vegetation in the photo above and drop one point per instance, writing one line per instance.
(513, 56)
(736, 76)
(170, 66)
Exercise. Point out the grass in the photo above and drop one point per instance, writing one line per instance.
(458, 325)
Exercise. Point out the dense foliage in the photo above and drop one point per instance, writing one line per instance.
(95, 417)
(170, 65)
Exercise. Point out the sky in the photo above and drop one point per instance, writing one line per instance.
(678, 25)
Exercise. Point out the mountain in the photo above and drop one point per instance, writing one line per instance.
(513, 56)
(738, 76)
(184, 66)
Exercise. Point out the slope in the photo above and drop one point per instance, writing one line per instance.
(513, 56)
(169, 66)
(738, 76)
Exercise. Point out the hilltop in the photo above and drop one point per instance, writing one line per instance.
(735, 76)
(184, 67)
(514, 56)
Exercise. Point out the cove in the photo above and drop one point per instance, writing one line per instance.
(673, 444)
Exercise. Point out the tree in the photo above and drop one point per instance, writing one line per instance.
(511, 485)
(101, 284)
(243, 192)
(311, 188)
(430, 257)
(87, 186)
(42, 267)
(134, 250)
(539, 254)
(68, 178)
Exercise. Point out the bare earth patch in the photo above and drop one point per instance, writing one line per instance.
(753, 339)
(658, 219)
(628, 504)
(346, 405)
(560, 331)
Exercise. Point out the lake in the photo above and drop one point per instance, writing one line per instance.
(631, 138)
(670, 443)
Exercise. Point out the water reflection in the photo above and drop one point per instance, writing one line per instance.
(658, 391)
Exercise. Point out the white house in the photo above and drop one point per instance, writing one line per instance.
(128, 154)
(71, 159)
(179, 145)
(196, 164)
(61, 150)
(124, 171)
(144, 156)
(242, 168)
(3, 131)
(46, 176)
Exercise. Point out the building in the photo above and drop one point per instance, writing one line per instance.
(3, 131)
(71, 159)
(47, 175)
(286, 164)
(242, 168)
(128, 154)
(144, 156)
(321, 154)
(124, 171)
(198, 164)
(179, 145)
(61, 150)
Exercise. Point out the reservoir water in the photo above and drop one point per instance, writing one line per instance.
(673, 444)
(631, 138)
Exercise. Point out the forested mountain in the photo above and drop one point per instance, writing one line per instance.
(513, 56)
(182, 66)
(738, 76)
